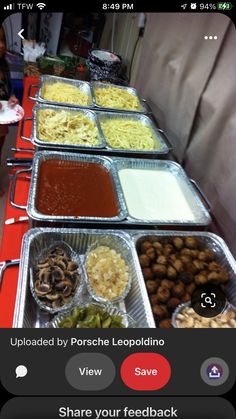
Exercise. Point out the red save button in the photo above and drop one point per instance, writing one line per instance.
(145, 371)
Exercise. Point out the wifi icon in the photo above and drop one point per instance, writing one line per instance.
(41, 5)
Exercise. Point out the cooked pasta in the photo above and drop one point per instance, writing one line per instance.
(125, 133)
(64, 93)
(65, 127)
(114, 97)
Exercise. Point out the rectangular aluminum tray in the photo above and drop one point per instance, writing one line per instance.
(211, 240)
(73, 147)
(27, 313)
(160, 148)
(202, 217)
(131, 90)
(82, 85)
(106, 162)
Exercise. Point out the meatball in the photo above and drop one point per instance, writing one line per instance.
(144, 261)
(171, 272)
(147, 273)
(209, 255)
(165, 324)
(160, 311)
(199, 265)
(172, 258)
(159, 270)
(186, 277)
(163, 294)
(151, 253)
(186, 259)
(185, 252)
(178, 242)
(178, 291)
(214, 266)
(145, 246)
(151, 286)
(173, 303)
(168, 249)
(157, 245)
(190, 288)
(154, 299)
(191, 242)
(195, 253)
(190, 268)
(162, 260)
(178, 265)
(166, 283)
(213, 277)
(200, 279)
(186, 297)
(202, 256)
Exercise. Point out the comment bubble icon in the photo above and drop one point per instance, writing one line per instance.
(21, 371)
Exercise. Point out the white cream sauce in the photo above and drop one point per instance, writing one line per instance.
(154, 195)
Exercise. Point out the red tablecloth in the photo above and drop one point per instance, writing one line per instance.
(12, 234)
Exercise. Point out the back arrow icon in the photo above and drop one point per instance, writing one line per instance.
(20, 34)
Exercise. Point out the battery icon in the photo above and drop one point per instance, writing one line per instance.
(224, 6)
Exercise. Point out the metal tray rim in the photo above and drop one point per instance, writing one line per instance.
(132, 90)
(22, 279)
(45, 144)
(205, 216)
(164, 147)
(46, 77)
(36, 215)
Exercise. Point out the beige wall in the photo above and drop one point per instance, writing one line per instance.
(125, 36)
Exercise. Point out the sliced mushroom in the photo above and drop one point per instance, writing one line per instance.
(56, 278)
(59, 262)
(41, 288)
(72, 266)
(52, 296)
(57, 274)
(44, 275)
(44, 264)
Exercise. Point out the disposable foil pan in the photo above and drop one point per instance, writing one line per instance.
(130, 90)
(127, 320)
(210, 240)
(73, 147)
(201, 215)
(27, 312)
(181, 307)
(82, 85)
(160, 146)
(104, 161)
(124, 252)
(79, 289)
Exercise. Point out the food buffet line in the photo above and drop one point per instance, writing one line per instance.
(101, 249)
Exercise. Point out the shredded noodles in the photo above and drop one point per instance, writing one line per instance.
(114, 97)
(65, 127)
(128, 134)
(64, 93)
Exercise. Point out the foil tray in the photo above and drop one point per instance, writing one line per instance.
(41, 156)
(41, 144)
(201, 215)
(131, 90)
(82, 85)
(79, 289)
(28, 314)
(160, 148)
(181, 307)
(127, 320)
(211, 240)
